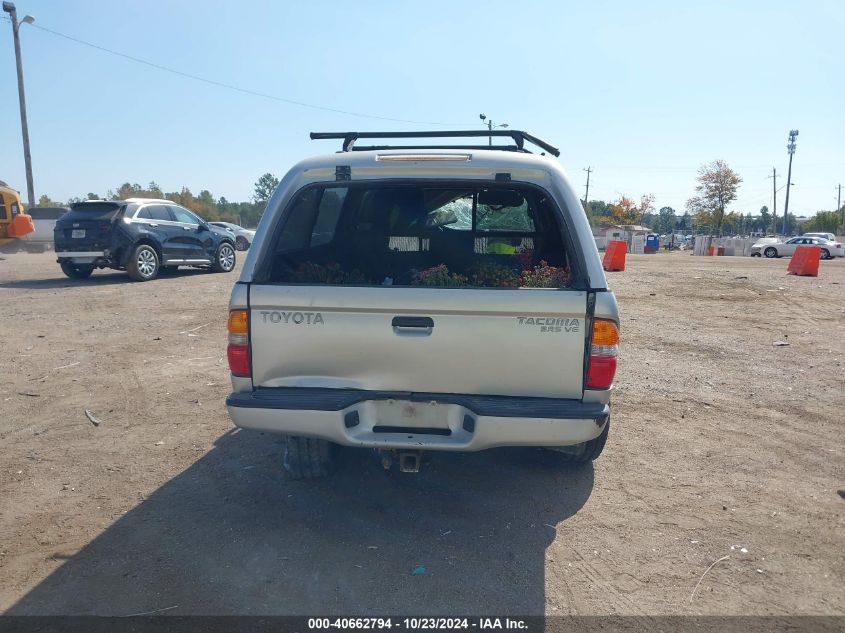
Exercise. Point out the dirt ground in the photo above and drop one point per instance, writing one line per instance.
(724, 447)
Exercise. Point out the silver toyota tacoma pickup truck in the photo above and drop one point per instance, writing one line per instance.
(428, 297)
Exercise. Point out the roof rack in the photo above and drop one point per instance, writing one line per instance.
(518, 137)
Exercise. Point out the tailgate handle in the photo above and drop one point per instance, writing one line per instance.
(412, 321)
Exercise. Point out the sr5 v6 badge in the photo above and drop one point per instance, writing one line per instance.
(551, 324)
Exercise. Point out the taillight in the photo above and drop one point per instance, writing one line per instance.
(238, 350)
(603, 353)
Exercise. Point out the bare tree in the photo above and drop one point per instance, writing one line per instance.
(716, 189)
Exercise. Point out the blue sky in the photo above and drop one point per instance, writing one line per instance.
(644, 92)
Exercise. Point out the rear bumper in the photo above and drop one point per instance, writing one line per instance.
(97, 258)
(73, 254)
(418, 421)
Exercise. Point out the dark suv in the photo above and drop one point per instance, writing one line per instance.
(141, 236)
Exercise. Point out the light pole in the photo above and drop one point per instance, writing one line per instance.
(775, 216)
(793, 134)
(9, 8)
(490, 126)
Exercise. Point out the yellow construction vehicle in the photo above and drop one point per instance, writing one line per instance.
(14, 223)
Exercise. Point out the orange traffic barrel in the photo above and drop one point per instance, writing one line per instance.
(614, 255)
(805, 261)
(21, 225)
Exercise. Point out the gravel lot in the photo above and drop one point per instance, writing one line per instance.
(722, 445)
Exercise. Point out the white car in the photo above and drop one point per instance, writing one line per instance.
(825, 236)
(44, 219)
(767, 248)
(243, 237)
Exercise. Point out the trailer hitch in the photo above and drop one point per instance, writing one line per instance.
(409, 461)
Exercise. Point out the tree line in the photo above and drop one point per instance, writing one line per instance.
(706, 211)
(204, 204)
(667, 220)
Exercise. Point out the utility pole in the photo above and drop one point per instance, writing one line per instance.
(774, 178)
(793, 134)
(587, 193)
(9, 8)
(839, 205)
(490, 126)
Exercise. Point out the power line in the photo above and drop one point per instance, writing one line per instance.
(221, 84)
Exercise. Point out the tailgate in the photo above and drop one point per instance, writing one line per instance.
(86, 229)
(527, 342)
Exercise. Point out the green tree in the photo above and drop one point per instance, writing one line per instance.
(822, 222)
(206, 206)
(732, 222)
(702, 222)
(666, 220)
(46, 201)
(716, 189)
(183, 197)
(598, 208)
(765, 218)
(128, 190)
(265, 186)
(791, 224)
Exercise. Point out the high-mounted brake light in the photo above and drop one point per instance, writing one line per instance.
(238, 350)
(423, 157)
(603, 353)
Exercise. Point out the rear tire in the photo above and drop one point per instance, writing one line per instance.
(825, 254)
(588, 451)
(241, 243)
(308, 458)
(143, 264)
(224, 258)
(76, 272)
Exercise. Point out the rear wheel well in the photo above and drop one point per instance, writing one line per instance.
(148, 242)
